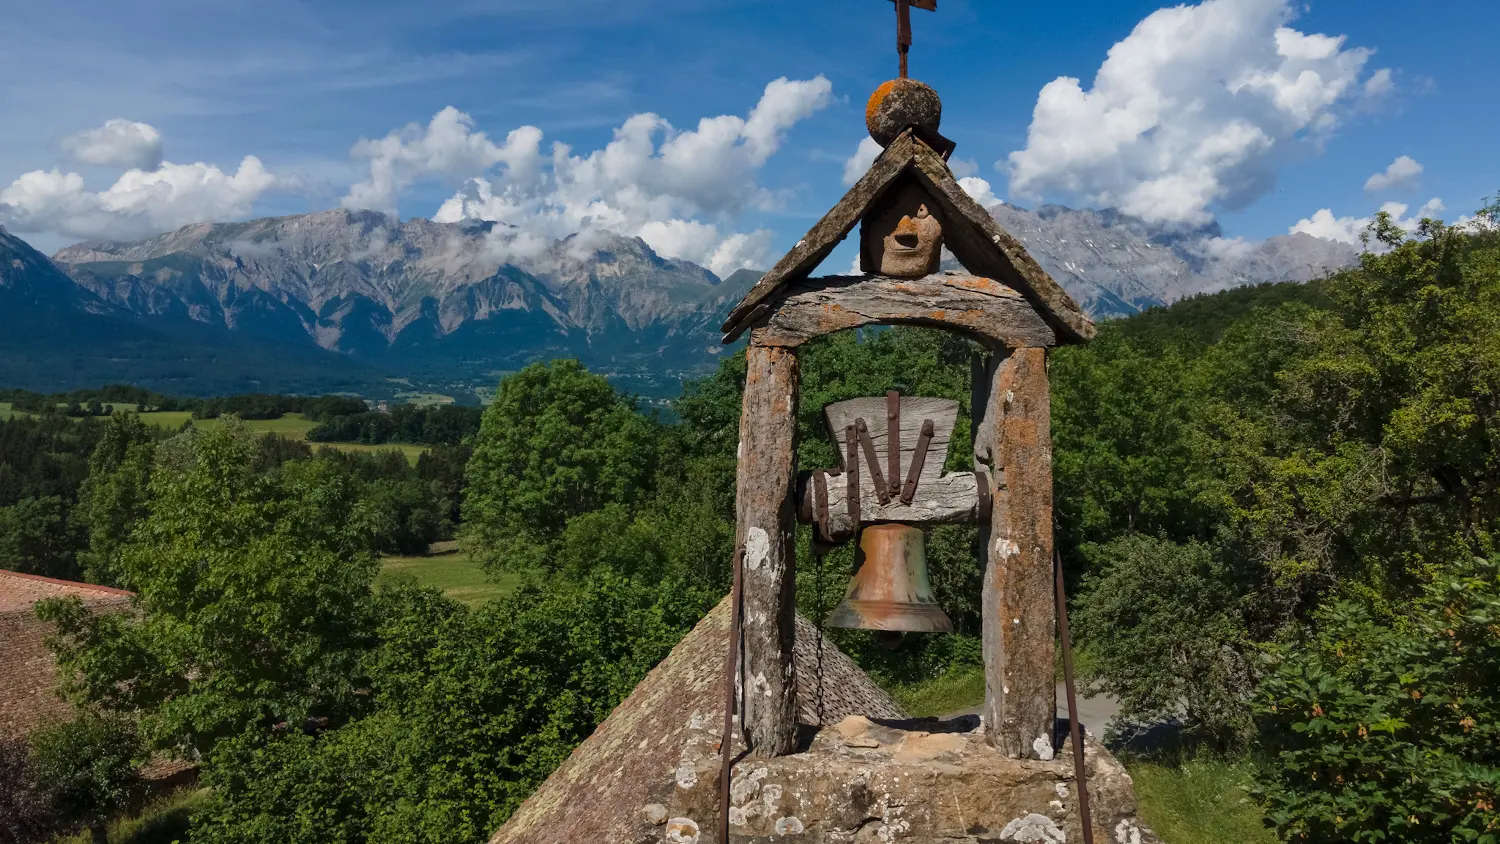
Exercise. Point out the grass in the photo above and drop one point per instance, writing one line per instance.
(411, 452)
(951, 692)
(1199, 801)
(451, 570)
(163, 821)
(292, 426)
(425, 399)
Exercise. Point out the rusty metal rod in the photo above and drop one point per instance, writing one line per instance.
(1075, 729)
(893, 441)
(726, 744)
(851, 465)
(918, 462)
(882, 493)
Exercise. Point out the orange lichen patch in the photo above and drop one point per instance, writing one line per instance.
(876, 99)
(979, 284)
(1021, 432)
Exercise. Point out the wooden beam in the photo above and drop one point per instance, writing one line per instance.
(1019, 621)
(981, 308)
(821, 239)
(767, 531)
(982, 246)
(950, 498)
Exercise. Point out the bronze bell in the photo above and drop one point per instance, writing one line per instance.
(891, 590)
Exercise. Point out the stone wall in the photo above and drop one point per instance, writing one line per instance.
(863, 782)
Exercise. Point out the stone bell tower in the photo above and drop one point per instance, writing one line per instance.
(908, 206)
(815, 751)
(786, 739)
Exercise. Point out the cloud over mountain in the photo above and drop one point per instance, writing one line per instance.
(125, 144)
(678, 189)
(1348, 229)
(1400, 175)
(139, 203)
(1194, 110)
(652, 180)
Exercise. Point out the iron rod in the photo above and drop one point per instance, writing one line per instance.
(726, 744)
(1075, 729)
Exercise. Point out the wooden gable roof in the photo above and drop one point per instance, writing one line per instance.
(972, 235)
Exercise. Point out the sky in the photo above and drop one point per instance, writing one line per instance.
(720, 130)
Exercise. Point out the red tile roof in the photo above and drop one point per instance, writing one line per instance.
(18, 592)
(28, 674)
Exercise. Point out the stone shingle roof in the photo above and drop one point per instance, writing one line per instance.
(663, 738)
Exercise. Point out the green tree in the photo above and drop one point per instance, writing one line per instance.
(557, 443)
(1339, 447)
(89, 765)
(474, 708)
(37, 537)
(404, 516)
(113, 498)
(1187, 654)
(252, 598)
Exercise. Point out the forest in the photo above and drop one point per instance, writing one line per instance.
(1277, 509)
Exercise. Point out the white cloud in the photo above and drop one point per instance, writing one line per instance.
(1223, 248)
(864, 156)
(125, 144)
(447, 148)
(1348, 229)
(651, 180)
(1380, 83)
(980, 190)
(1195, 108)
(702, 244)
(964, 167)
(742, 252)
(1401, 175)
(676, 189)
(138, 204)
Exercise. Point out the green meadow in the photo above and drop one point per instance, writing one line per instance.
(292, 426)
(448, 568)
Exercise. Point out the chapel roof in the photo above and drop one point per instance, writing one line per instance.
(971, 234)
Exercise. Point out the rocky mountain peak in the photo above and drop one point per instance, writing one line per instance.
(417, 292)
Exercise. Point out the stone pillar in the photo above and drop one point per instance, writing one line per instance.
(1013, 444)
(767, 531)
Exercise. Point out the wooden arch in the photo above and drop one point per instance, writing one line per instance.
(1017, 312)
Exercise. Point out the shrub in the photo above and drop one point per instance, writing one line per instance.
(89, 765)
(1384, 729)
(25, 803)
(1161, 624)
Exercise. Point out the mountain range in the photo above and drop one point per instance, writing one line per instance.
(347, 299)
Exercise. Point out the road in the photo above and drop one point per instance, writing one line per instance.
(1094, 712)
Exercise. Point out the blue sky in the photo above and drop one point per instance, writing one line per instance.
(297, 85)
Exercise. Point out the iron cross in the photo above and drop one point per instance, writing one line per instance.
(903, 25)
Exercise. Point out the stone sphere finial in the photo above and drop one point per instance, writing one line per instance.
(898, 104)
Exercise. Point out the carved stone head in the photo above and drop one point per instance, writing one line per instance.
(914, 248)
